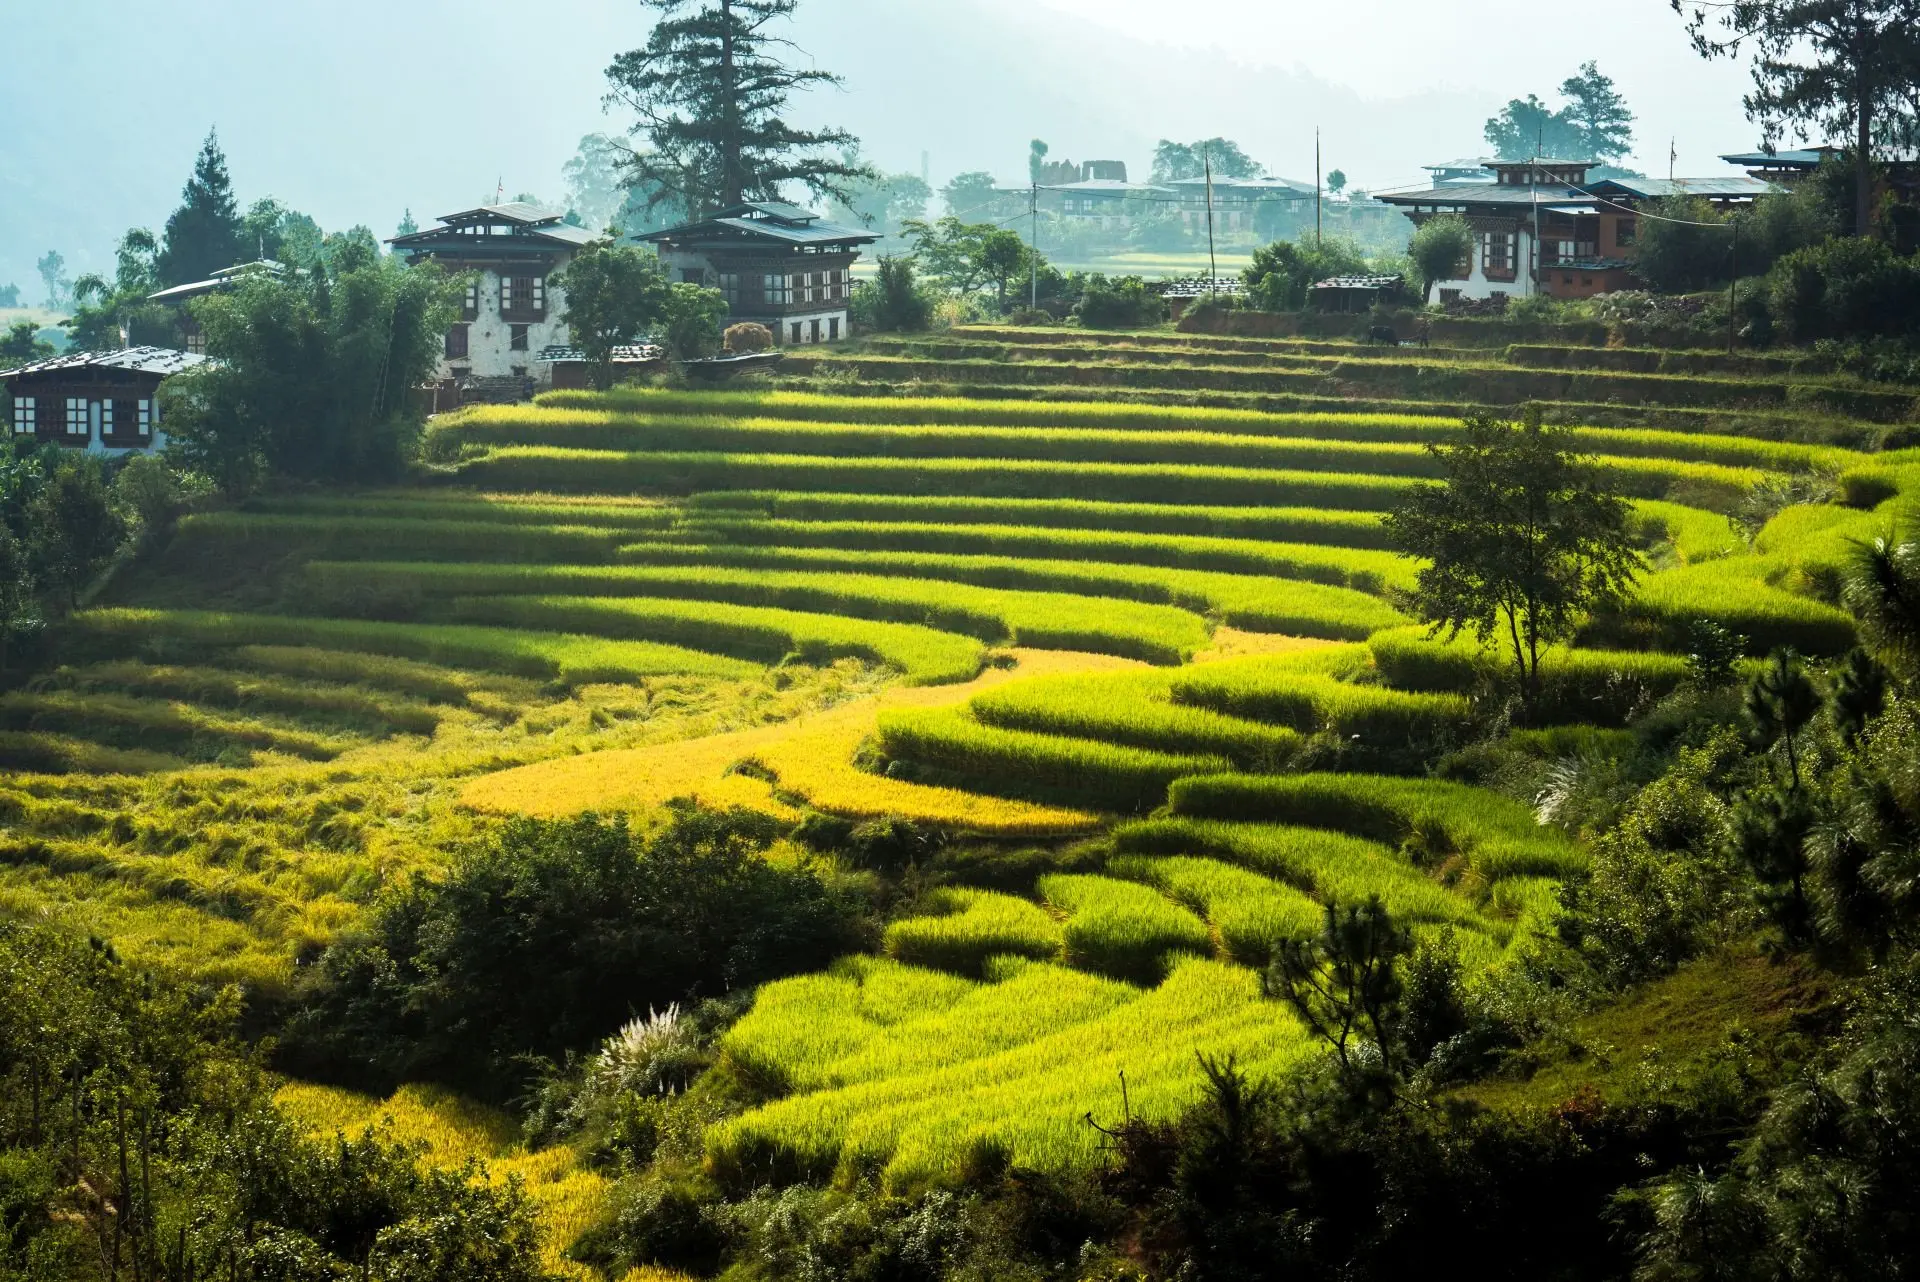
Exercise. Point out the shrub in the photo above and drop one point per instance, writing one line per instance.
(893, 301)
(1845, 288)
(544, 940)
(747, 336)
(1281, 273)
(1122, 303)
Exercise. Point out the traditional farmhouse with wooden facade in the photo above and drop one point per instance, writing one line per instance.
(1541, 227)
(102, 402)
(512, 308)
(775, 263)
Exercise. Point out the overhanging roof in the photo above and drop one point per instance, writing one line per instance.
(140, 360)
(767, 219)
(1732, 187)
(1798, 158)
(1543, 195)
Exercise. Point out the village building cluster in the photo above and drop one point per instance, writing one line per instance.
(1540, 227)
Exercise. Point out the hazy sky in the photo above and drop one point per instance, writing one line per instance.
(359, 109)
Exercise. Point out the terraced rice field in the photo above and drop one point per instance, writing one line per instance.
(1038, 620)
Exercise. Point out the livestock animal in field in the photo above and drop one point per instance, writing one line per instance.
(1382, 334)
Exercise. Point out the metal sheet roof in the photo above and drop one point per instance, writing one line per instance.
(798, 227)
(1360, 282)
(1587, 265)
(513, 211)
(1799, 158)
(143, 360)
(630, 353)
(1733, 185)
(1545, 195)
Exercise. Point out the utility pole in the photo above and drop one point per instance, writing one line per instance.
(1033, 246)
(1213, 266)
(1319, 236)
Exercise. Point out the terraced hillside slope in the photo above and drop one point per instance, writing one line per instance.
(819, 596)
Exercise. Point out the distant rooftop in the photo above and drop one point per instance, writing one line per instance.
(143, 360)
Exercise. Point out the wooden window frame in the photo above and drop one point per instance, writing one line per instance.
(458, 343)
(76, 424)
(1506, 270)
(25, 416)
(470, 306)
(518, 336)
(144, 414)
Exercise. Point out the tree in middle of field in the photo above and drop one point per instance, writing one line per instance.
(1523, 539)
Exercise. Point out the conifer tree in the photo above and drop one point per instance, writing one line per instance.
(708, 91)
(203, 235)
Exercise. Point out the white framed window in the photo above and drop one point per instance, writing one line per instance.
(76, 416)
(730, 286)
(24, 422)
(146, 418)
(106, 418)
(778, 289)
(539, 293)
(471, 306)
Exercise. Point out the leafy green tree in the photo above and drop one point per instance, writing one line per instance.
(1832, 67)
(9, 295)
(708, 91)
(550, 936)
(19, 602)
(1336, 181)
(967, 258)
(1120, 302)
(883, 203)
(1527, 127)
(1281, 273)
(1593, 123)
(52, 268)
(203, 235)
(974, 193)
(614, 294)
(1440, 247)
(1602, 125)
(111, 313)
(893, 301)
(22, 344)
(314, 375)
(1176, 160)
(75, 530)
(142, 1141)
(691, 327)
(1522, 539)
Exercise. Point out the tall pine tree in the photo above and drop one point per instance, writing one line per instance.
(709, 91)
(203, 235)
